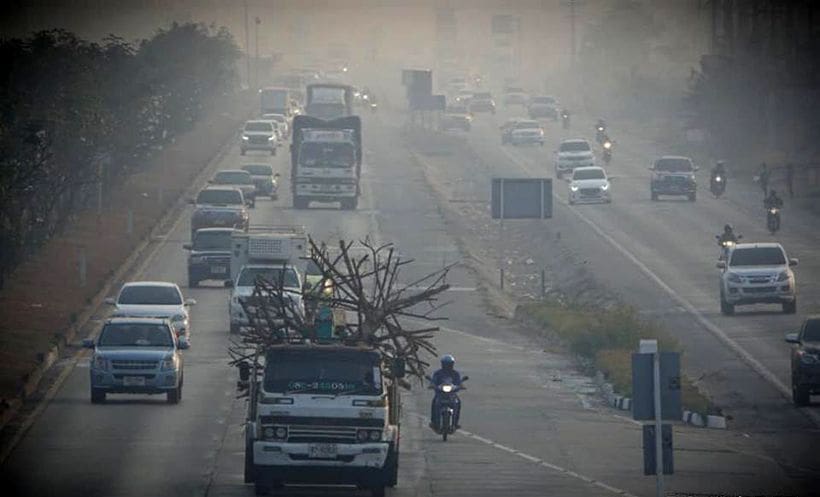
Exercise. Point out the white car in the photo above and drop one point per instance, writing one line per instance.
(281, 120)
(757, 273)
(154, 299)
(244, 283)
(571, 154)
(258, 135)
(589, 185)
(521, 131)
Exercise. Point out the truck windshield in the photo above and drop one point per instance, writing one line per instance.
(327, 154)
(135, 335)
(758, 256)
(212, 240)
(323, 371)
(270, 274)
(326, 111)
(219, 197)
(150, 295)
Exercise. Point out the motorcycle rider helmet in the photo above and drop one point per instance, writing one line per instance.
(448, 361)
(727, 228)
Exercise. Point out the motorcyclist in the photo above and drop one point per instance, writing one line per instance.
(728, 235)
(447, 374)
(719, 170)
(773, 201)
(600, 130)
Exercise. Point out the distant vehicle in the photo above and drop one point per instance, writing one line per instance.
(514, 95)
(522, 131)
(457, 117)
(543, 106)
(209, 256)
(329, 100)
(482, 102)
(265, 180)
(281, 120)
(275, 101)
(589, 185)
(237, 178)
(155, 299)
(463, 97)
(571, 154)
(136, 355)
(805, 361)
(673, 175)
(258, 135)
(757, 273)
(219, 207)
(456, 84)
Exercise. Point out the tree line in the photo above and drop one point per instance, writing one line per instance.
(71, 109)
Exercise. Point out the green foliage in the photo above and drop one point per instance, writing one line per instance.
(68, 106)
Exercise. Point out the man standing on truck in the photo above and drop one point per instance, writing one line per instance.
(447, 374)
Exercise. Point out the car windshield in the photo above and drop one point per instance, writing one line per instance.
(272, 275)
(275, 117)
(219, 197)
(150, 295)
(527, 125)
(212, 240)
(258, 169)
(543, 100)
(811, 332)
(135, 335)
(329, 372)
(673, 165)
(580, 174)
(327, 154)
(233, 178)
(758, 256)
(258, 126)
(574, 147)
(482, 96)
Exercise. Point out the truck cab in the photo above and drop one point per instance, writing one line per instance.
(324, 413)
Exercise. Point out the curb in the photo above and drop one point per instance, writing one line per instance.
(689, 417)
(128, 265)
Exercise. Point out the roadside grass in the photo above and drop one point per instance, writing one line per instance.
(606, 339)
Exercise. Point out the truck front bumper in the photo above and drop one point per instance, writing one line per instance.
(329, 191)
(354, 464)
(774, 293)
(125, 382)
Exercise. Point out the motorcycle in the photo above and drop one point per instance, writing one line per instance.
(448, 402)
(565, 119)
(373, 106)
(726, 246)
(717, 185)
(607, 154)
(600, 133)
(773, 219)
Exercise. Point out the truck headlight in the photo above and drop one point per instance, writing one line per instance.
(101, 363)
(733, 278)
(807, 358)
(374, 435)
(361, 435)
(197, 259)
(605, 187)
(268, 432)
(271, 138)
(169, 364)
(783, 276)
(573, 188)
(281, 432)
(245, 138)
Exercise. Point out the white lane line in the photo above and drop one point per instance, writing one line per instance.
(745, 356)
(536, 460)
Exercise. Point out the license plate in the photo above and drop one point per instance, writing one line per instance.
(219, 269)
(322, 451)
(133, 381)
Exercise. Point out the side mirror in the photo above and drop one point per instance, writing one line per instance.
(721, 265)
(190, 302)
(793, 262)
(88, 343)
(110, 300)
(244, 371)
(187, 246)
(184, 343)
(792, 338)
(739, 237)
(276, 175)
(228, 283)
(398, 368)
(465, 378)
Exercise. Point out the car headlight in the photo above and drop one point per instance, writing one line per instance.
(807, 358)
(573, 188)
(245, 138)
(605, 187)
(783, 276)
(733, 278)
(169, 364)
(271, 138)
(101, 363)
(197, 259)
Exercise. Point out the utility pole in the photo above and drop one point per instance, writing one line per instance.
(572, 35)
(247, 48)
(256, 63)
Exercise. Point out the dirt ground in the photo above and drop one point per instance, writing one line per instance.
(44, 296)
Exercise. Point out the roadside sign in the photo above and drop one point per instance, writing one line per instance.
(643, 408)
(649, 462)
(521, 198)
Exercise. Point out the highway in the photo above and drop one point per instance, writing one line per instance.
(533, 426)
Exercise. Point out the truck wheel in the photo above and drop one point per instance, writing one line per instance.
(790, 307)
(350, 204)
(299, 203)
(654, 196)
(377, 491)
(273, 151)
(558, 173)
(97, 396)
(173, 396)
(242, 151)
(800, 395)
(260, 488)
(726, 308)
(192, 282)
(250, 473)
(234, 329)
(692, 197)
(391, 468)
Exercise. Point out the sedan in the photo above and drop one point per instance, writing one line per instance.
(589, 185)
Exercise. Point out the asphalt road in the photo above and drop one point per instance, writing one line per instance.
(533, 426)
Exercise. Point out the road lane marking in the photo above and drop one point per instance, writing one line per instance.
(535, 460)
(715, 330)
